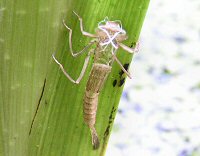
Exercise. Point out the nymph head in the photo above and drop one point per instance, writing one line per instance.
(111, 32)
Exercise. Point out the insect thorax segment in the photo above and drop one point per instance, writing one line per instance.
(103, 56)
(109, 33)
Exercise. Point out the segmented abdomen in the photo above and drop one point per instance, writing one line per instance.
(90, 108)
(96, 81)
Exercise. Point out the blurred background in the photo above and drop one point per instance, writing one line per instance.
(159, 112)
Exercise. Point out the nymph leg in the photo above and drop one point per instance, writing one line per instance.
(128, 49)
(82, 71)
(124, 70)
(81, 26)
(70, 43)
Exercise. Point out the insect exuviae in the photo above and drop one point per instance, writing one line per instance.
(108, 38)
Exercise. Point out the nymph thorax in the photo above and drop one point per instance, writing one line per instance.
(109, 34)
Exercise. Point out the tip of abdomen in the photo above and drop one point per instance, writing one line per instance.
(95, 139)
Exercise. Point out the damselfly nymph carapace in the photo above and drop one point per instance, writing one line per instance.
(108, 38)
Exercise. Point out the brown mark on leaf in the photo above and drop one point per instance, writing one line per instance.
(111, 118)
(121, 73)
(38, 105)
(114, 83)
(121, 82)
(122, 79)
(132, 44)
(126, 65)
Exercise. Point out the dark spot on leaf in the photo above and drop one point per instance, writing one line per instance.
(110, 117)
(121, 82)
(126, 65)
(114, 83)
(131, 46)
(113, 110)
(106, 133)
(121, 73)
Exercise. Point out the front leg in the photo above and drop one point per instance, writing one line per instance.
(128, 49)
(81, 27)
(74, 54)
(120, 64)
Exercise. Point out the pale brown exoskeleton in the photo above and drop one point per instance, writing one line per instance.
(108, 38)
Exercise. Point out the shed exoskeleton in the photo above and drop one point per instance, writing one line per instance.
(108, 38)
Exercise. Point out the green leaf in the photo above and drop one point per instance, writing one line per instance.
(40, 109)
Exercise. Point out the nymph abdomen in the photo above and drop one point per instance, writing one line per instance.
(96, 81)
